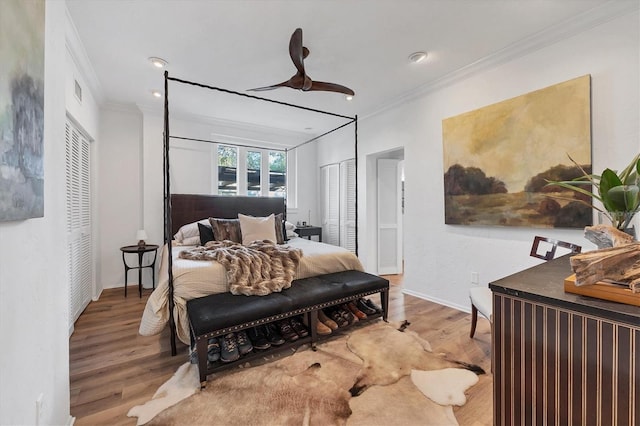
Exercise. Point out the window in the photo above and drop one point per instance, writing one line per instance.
(277, 174)
(254, 165)
(227, 170)
(252, 172)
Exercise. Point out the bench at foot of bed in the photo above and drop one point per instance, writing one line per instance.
(219, 314)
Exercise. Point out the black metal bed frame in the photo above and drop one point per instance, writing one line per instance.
(167, 187)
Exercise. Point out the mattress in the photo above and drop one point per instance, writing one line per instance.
(198, 278)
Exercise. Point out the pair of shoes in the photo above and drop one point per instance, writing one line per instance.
(229, 348)
(244, 344)
(323, 329)
(367, 306)
(298, 327)
(335, 315)
(326, 321)
(346, 314)
(258, 338)
(271, 332)
(213, 350)
(355, 311)
(341, 315)
(286, 331)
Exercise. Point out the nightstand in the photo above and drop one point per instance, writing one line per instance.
(140, 250)
(309, 231)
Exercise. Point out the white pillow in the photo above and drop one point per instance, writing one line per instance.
(257, 228)
(190, 233)
(289, 226)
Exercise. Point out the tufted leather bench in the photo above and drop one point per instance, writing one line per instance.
(222, 313)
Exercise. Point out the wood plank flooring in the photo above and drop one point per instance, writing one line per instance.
(113, 368)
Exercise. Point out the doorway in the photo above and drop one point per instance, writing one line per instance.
(389, 211)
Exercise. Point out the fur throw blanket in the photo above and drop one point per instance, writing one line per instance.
(257, 269)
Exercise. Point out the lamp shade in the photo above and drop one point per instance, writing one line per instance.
(141, 235)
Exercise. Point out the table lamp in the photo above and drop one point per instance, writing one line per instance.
(141, 235)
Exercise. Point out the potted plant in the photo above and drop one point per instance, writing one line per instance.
(618, 192)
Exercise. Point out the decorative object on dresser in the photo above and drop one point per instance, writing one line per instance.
(317, 383)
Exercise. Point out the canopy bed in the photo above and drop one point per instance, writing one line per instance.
(183, 279)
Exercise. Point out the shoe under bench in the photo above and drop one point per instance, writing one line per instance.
(222, 313)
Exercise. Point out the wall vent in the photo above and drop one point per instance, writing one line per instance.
(78, 90)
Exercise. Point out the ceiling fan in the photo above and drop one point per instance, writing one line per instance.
(301, 80)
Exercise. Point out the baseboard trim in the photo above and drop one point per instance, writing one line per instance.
(447, 303)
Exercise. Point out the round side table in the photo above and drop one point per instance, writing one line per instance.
(140, 250)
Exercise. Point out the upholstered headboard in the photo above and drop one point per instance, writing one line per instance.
(187, 208)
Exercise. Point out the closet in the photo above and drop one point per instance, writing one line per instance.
(78, 203)
(338, 204)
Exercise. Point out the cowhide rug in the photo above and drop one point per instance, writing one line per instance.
(377, 375)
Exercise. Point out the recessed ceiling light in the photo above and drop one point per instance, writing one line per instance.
(417, 57)
(158, 62)
(156, 93)
(349, 97)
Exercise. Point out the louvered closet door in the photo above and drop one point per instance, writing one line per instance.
(79, 253)
(348, 205)
(330, 191)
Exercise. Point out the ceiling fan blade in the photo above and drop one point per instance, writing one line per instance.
(330, 87)
(275, 86)
(298, 81)
(297, 51)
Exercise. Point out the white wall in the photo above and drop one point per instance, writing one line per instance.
(439, 258)
(119, 206)
(33, 280)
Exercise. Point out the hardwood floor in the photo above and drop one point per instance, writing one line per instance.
(113, 368)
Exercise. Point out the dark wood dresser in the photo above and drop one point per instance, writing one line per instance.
(560, 358)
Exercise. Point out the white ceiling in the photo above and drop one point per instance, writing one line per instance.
(362, 44)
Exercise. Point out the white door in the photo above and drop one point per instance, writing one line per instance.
(78, 201)
(330, 197)
(389, 185)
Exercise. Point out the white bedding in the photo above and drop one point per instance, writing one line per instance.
(197, 278)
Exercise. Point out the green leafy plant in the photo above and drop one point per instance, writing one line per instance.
(619, 193)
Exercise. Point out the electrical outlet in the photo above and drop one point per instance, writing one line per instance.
(39, 402)
(475, 278)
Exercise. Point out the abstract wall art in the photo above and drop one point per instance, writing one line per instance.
(21, 109)
(497, 159)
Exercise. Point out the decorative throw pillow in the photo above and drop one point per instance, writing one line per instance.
(289, 231)
(187, 232)
(226, 229)
(280, 234)
(257, 228)
(206, 234)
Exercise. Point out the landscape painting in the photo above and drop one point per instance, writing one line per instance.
(498, 159)
(21, 109)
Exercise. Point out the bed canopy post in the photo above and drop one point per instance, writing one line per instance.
(167, 216)
(355, 148)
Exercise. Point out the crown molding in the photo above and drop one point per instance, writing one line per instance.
(547, 37)
(120, 107)
(79, 56)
